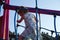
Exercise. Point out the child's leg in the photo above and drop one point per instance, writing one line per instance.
(31, 33)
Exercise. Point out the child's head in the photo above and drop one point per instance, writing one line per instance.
(22, 10)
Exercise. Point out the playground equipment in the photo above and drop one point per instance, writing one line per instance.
(4, 31)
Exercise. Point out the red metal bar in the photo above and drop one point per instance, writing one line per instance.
(6, 23)
(42, 11)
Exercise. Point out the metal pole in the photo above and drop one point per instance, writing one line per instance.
(36, 20)
(55, 26)
(15, 26)
(5, 26)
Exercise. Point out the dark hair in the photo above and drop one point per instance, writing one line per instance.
(23, 9)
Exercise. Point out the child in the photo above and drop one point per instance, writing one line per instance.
(30, 22)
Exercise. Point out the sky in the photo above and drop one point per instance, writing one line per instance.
(47, 21)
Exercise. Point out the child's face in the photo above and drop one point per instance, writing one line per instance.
(21, 13)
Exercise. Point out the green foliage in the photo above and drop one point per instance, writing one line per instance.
(48, 37)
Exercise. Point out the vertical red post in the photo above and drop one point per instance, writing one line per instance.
(6, 23)
(1, 21)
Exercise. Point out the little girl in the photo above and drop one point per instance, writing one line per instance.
(30, 22)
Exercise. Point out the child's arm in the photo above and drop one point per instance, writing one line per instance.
(19, 21)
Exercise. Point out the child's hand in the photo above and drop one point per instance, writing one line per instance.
(18, 25)
(18, 21)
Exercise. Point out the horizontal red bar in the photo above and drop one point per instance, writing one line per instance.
(42, 11)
